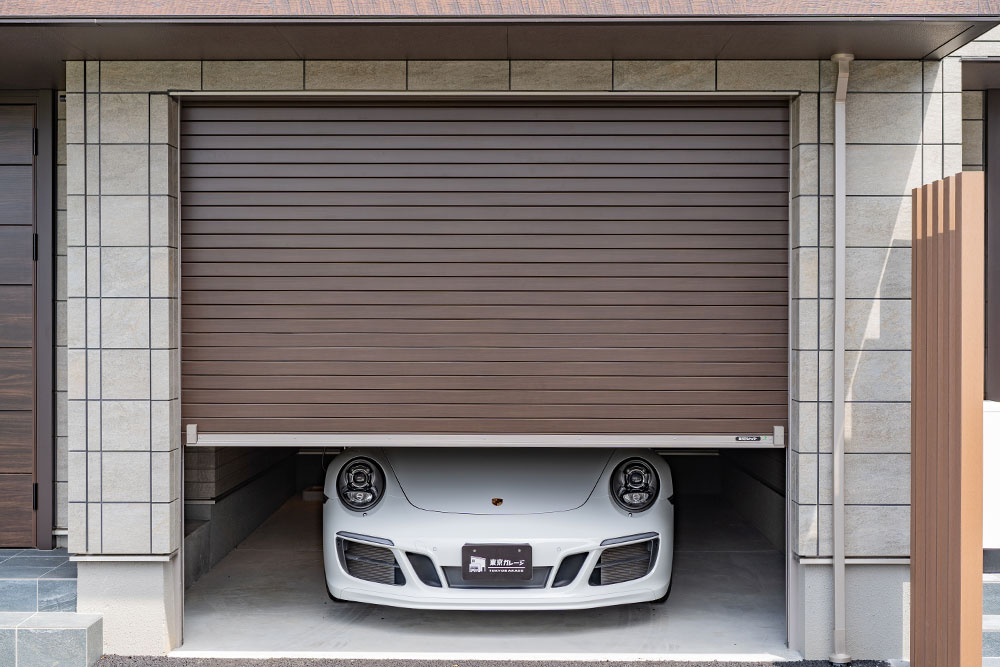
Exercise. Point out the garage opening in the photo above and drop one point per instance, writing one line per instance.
(506, 274)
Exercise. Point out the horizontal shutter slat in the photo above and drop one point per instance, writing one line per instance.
(485, 268)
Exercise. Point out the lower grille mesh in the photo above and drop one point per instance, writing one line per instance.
(625, 563)
(371, 563)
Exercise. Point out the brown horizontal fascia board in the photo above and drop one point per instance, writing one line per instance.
(504, 9)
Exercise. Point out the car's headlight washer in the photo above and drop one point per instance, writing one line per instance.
(634, 485)
(360, 484)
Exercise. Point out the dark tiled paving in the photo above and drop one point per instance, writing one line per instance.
(23, 572)
(56, 595)
(18, 595)
(64, 571)
(33, 580)
(50, 562)
(38, 553)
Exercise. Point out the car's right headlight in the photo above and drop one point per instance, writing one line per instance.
(360, 484)
(634, 485)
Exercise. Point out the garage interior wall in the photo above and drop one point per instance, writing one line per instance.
(122, 226)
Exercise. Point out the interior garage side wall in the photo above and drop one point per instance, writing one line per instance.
(122, 288)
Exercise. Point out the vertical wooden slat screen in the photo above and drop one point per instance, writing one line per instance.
(947, 423)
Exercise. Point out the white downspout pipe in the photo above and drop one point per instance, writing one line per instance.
(843, 60)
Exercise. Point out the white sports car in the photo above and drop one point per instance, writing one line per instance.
(498, 528)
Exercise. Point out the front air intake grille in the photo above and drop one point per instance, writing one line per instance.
(624, 563)
(568, 569)
(369, 562)
(539, 575)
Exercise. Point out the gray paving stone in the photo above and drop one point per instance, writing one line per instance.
(57, 595)
(35, 561)
(23, 572)
(991, 644)
(60, 621)
(991, 597)
(40, 553)
(40, 647)
(95, 641)
(18, 595)
(65, 571)
(9, 553)
(12, 619)
(7, 646)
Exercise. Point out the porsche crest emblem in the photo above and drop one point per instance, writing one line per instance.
(497, 502)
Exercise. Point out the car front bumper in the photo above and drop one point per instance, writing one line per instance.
(553, 537)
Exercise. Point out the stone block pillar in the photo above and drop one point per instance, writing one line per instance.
(124, 455)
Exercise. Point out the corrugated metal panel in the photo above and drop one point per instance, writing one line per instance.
(485, 269)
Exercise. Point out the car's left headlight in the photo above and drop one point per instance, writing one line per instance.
(634, 485)
(360, 484)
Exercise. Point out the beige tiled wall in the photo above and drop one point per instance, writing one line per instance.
(903, 129)
(122, 381)
(894, 144)
(123, 285)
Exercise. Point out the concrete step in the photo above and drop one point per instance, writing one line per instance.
(991, 594)
(991, 636)
(991, 620)
(32, 580)
(30, 639)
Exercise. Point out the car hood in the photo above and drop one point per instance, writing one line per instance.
(470, 481)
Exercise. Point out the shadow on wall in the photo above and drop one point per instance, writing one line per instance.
(238, 490)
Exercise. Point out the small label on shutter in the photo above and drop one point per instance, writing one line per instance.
(748, 438)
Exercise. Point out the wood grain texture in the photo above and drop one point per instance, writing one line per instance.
(946, 426)
(17, 327)
(17, 521)
(16, 382)
(16, 195)
(17, 122)
(16, 316)
(17, 451)
(15, 255)
(472, 268)
(494, 8)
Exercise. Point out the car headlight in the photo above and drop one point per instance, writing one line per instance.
(360, 484)
(634, 485)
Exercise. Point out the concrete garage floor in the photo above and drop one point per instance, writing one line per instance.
(267, 599)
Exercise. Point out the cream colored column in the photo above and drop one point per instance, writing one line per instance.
(123, 359)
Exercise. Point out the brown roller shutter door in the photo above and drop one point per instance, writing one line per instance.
(463, 268)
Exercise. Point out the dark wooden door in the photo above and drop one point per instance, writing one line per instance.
(17, 283)
(464, 268)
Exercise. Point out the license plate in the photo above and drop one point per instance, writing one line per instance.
(496, 562)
